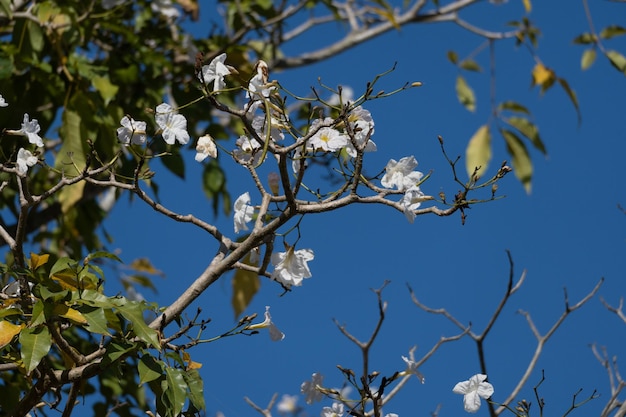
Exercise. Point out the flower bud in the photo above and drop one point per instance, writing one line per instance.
(274, 181)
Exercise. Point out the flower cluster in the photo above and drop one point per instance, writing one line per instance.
(172, 127)
(329, 135)
(30, 129)
(402, 175)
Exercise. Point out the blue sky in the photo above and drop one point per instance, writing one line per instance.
(568, 233)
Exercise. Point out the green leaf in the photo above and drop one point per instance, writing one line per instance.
(6, 9)
(96, 320)
(101, 254)
(95, 299)
(513, 106)
(522, 165)
(470, 65)
(453, 57)
(116, 351)
(176, 391)
(6, 67)
(196, 388)
(465, 94)
(478, 152)
(71, 157)
(149, 369)
(612, 31)
(35, 36)
(105, 87)
(36, 342)
(214, 186)
(62, 264)
(588, 58)
(585, 39)
(245, 285)
(133, 312)
(529, 130)
(38, 315)
(572, 96)
(617, 60)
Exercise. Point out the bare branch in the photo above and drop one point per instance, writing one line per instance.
(542, 340)
(617, 310)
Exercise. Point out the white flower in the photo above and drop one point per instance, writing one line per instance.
(288, 404)
(335, 411)
(473, 390)
(308, 388)
(391, 415)
(131, 131)
(328, 139)
(31, 129)
(400, 173)
(165, 7)
(3, 103)
(275, 334)
(174, 125)
(298, 160)
(290, 267)
(248, 148)
(205, 147)
(258, 89)
(258, 123)
(25, 159)
(411, 200)
(411, 369)
(215, 72)
(243, 212)
(362, 125)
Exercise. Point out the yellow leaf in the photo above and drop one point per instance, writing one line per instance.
(8, 331)
(527, 6)
(465, 94)
(245, 285)
(522, 165)
(74, 316)
(144, 265)
(543, 76)
(190, 364)
(37, 260)
(66, 279)
(70, 195)
(478, 152)
(587, 59)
